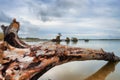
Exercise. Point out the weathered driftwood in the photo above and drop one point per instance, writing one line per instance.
(10, 35)
(23, 62)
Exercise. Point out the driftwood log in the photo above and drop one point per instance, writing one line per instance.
(20, 61)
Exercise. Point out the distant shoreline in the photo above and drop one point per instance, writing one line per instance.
(37, 39)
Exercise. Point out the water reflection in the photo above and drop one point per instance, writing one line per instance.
(58, 42)
(102, 73)
(74, 42)
(66, 42)
(86, 40)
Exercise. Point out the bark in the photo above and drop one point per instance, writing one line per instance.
(11, 35)
(23, 62)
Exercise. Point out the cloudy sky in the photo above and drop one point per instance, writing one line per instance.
(84, 18)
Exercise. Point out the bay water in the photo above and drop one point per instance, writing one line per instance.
(87, 70)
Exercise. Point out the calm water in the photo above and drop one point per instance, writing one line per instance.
(88, 70)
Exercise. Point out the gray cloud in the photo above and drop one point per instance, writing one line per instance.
(65, 16)
(48, 10)
(56, 8)
(4, 18)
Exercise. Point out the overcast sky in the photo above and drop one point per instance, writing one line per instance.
(86, 18)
